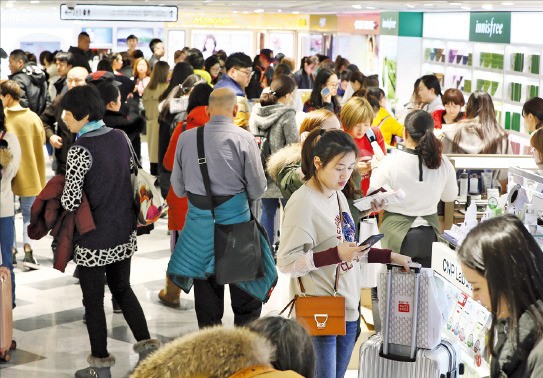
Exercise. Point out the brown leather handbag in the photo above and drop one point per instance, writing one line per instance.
(320, 315)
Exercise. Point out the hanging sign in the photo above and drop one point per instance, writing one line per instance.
(493, 27)
(95, 12)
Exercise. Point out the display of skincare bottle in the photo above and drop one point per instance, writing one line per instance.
(530, 219)
(463, 185)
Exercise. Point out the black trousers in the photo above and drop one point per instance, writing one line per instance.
(417, 244)
(209, 303)
(92, 282)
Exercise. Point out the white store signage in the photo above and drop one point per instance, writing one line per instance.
(365, 25)
(445, 262)
(94, 12)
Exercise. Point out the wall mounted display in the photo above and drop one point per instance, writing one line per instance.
(37, 47)
(144, 36)
(100, 37)
(209, 41)
(281, 42)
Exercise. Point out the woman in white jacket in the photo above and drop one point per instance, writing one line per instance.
(426, 177)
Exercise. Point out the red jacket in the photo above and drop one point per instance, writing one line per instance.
(47, 214)
(178, 207)
(438, 118)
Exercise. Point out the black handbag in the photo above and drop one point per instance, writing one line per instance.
(238, 253)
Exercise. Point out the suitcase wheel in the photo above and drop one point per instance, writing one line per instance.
(13, 345)
(5, 357)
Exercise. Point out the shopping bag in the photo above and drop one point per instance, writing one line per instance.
(369, 272)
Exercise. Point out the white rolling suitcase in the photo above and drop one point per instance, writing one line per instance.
(380, 358)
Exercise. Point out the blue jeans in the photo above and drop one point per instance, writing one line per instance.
(7, 236)
(334, 353)
(26, 204)
(267, 219)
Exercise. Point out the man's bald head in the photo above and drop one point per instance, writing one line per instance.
(76, 77)
(222, 102)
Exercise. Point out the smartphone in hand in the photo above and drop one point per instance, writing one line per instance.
(325, 91)
(372, 240)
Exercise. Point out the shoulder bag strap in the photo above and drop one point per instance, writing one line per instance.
(2, 135)
(203, 166)
(132, 153)
(336, 283)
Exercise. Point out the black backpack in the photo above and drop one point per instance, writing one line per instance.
(263, 142)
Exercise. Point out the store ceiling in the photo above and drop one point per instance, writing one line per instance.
(289, 6)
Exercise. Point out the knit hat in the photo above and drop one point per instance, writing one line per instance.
(268, 55)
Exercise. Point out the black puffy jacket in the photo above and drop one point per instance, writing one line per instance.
(33, 85)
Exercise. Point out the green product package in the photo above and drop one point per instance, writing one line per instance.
(515, 122)
(467, 86)
(507, 120)
(534, 64)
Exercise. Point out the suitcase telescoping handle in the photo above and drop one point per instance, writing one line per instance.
(416, 268)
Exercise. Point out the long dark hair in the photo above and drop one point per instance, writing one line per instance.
(320, 82)
(159, 75)
(280, 86)
(487, 129)
(199, 96)
(504, 252)
(2, 118)
(534, 106)
(180, 72)
(420, 126)
(326, 144)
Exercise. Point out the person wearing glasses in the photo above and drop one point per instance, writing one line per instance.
(324, 93)
(238, 75)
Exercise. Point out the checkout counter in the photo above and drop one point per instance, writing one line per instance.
(465, 320)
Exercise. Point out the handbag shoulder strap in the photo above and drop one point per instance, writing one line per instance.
(336, 283)
(132, 152)
(2, 135)
(203, 166)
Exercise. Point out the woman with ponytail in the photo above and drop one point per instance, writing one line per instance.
(318, 241)
(274, 119)
(426, 177)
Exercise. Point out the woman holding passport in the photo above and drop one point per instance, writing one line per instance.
(318, 241)
(426, 177)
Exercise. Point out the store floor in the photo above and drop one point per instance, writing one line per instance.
(52, 340)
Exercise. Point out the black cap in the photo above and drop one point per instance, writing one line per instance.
(268, 55)
(99, 77)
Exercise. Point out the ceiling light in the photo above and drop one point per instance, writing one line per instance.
(370, 7)
(455, 4)
(279, 10)
(260, 10)
(487, 6)
(235, 12)
(35, 2)
(428, 5)
(356, 6)
(9, 4)
(508, 3)
(410, 5)
(465, 7)
(295, 12)
(245, 12)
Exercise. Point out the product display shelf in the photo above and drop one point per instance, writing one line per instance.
(535, 77)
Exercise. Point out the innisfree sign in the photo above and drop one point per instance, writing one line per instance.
(493, 27)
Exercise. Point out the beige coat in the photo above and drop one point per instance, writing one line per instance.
(150, 103)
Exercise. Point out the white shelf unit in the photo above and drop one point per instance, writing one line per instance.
(451, 57)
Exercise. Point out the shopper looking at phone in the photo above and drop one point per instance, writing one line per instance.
(504, 264)
(356, 118)
(426, 177)
(324, 93)
(318, 234)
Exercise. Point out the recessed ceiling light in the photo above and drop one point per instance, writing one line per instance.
(410, 5)
(356, 6)
(35, 2)
(260, 10)
(245, 12)
(279, 10)
(235, 12)
(487, 6)
(509, 3)
(428, 5)
(455, 4)
(295, 12)
(370, 7)
(465, 7)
